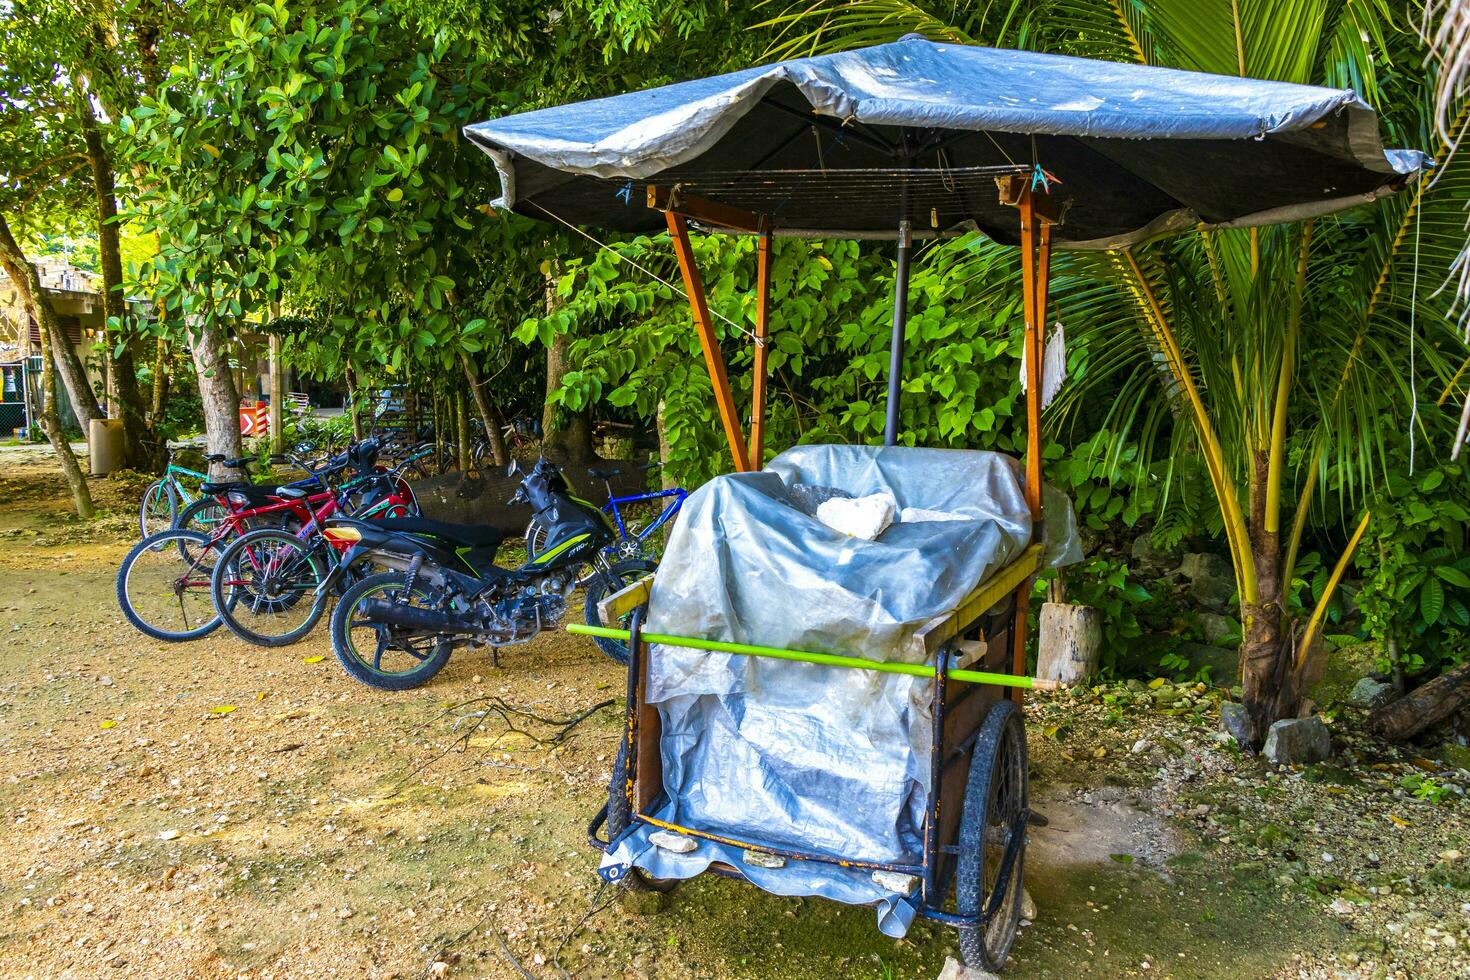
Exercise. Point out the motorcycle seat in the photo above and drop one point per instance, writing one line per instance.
(254, 491)
(469, 535)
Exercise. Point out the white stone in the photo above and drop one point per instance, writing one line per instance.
(895, 881)
(667, 841)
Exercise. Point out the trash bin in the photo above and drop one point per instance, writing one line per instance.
(105, 446)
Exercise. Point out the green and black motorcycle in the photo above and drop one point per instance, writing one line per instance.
(395, 629)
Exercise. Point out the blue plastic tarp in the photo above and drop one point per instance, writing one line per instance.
(819, 144)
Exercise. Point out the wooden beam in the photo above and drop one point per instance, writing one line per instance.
(613, 608)
(935, 633)
(762, 350)
(708, 341)
(1016, 188)
(704, 211)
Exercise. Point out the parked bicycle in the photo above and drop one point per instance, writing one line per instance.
(167, 496)
(632, 539)
(270, 586)
(164, 582)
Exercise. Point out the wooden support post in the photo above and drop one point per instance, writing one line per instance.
(1035, 274)
(1033, 296)
(713, 359)
(762, 351)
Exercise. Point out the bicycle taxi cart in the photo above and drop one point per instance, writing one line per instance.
(822, 715)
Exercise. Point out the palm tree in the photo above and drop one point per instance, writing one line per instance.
(1288, 351)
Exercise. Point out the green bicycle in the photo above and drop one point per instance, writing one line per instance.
(167, 496)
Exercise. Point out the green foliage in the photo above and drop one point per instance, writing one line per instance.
(1416, 572)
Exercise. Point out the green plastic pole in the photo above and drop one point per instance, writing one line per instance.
(805, 656)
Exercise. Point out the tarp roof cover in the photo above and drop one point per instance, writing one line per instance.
(1140, 151)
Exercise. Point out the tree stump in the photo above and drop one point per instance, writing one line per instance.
(1070, 643)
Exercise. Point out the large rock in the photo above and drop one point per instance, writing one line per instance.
(1370, 693)
(1211, 580)
(1236, 722)
(1456, 755)
(1224, 664)
(1149, 559)
(1219, 630)
(1298, 742)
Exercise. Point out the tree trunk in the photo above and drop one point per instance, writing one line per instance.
(354, 406)
(488, 415)
(1424, 707)
(160, 381)
(38, 305)
(666, 480)
(278, 393)
(462, 430)
(139, 450)
(217, 392)
(564, 434)
(1269, 679)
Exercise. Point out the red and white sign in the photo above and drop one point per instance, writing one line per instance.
(255, 419)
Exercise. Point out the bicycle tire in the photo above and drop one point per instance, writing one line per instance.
(159, 491)
(172, 539)
(233, 606)
(995, 804)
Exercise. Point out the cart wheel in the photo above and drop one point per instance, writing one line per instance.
(618, 818)
(992, 839)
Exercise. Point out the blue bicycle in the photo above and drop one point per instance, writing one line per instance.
(632, 541)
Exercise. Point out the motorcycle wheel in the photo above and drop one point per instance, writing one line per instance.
(378, 655)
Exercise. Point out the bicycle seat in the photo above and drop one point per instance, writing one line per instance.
(290, 493)
(604, 473)
(469, 535)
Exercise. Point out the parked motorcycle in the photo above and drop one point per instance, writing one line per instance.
(395, 630)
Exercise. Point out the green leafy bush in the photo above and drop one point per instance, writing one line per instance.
(1415, 597)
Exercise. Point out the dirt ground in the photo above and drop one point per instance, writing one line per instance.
(214, 809)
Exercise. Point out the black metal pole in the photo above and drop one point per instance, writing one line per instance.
(900, 322)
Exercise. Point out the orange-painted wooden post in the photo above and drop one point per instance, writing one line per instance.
(713, 359)
(1035, 281)
(762, 332)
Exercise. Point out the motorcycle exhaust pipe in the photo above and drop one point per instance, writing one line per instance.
(416, 618)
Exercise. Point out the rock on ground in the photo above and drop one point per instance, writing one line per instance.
(1236, 722)
(1298, 742)
(1369, 694)
(955, 970)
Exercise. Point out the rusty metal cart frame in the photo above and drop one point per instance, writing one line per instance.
(994, 614)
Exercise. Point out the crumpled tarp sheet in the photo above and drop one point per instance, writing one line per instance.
(1140, 150)
(800, 755)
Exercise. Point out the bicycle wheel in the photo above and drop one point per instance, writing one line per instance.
(163, 585)
(992, 839)
(603, 584)
(266, 587)
(159, 508)
(386, 657)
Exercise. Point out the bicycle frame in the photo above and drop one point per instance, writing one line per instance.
(611, 507)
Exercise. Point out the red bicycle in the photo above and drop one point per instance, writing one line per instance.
(164, 585)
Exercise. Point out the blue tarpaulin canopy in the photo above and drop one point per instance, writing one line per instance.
(850, 144)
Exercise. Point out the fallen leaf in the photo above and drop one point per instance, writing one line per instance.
(1156, 683)
(109, 723)
(1398, 821)
(1122, 858)
(260, 695)
(312, 660)
(223, 709)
